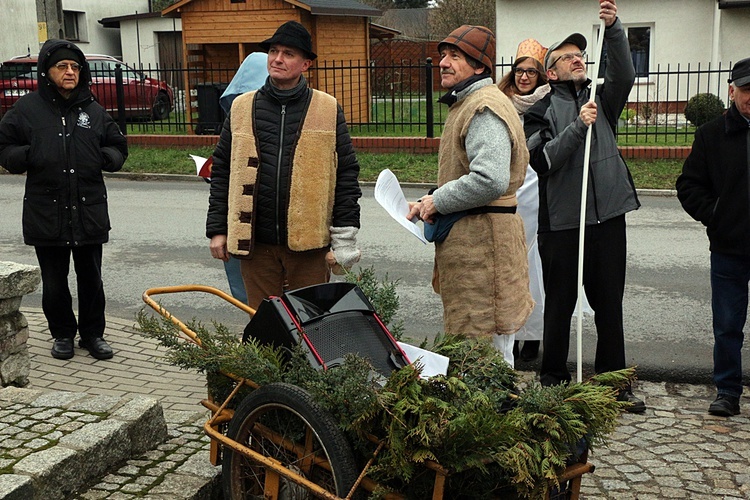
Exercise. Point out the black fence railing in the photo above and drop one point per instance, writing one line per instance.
(378, 99)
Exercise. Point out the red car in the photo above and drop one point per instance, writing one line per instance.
(145, 97)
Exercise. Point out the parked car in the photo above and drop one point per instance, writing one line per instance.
(145, 97)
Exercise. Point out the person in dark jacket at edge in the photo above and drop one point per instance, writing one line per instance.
(284, 182)
(556, 130)
(713, 189)
(63, 140)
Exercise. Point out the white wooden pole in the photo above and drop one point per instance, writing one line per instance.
(584, 192)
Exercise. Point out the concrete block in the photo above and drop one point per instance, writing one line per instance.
(147, 427)
(100, 445)
(10, 305)
(17, 280)
(58, 398)
(15, 369)
(16, 487)
(54, 472)
(18, 395)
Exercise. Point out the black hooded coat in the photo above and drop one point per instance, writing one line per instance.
(63, 146)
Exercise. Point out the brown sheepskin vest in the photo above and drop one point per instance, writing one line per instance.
(312, 185)
(481, 269)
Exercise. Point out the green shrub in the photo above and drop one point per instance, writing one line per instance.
(702, 108)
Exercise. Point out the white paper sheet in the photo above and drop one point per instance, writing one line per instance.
(200, 162)
(434, 363)
(390, 196)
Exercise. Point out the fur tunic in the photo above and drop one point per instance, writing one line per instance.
(481, 269)
(313, 183)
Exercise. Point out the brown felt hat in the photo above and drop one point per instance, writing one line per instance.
(476, 42)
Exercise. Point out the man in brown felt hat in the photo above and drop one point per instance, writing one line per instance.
(481, 269)
(284, 182)
(63, 139)
(713, 189)
(556, 129)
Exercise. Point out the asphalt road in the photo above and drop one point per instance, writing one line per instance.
(158, 239)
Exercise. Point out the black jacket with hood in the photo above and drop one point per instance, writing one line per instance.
(62, 145)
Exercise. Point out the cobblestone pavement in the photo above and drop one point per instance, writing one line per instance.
(674, 450)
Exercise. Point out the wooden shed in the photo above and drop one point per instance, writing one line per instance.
(221, 33)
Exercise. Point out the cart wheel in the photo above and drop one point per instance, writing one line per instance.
(283, 422)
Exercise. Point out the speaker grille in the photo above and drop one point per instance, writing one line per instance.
(336, 335)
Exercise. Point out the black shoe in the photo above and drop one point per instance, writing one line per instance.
(636, 405)
(725, 406)
(97, 347)
(530, 350)
(62, 349)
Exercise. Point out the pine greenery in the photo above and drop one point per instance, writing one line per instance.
(493, 438)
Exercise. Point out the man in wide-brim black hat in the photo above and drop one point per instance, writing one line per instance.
(284, 184)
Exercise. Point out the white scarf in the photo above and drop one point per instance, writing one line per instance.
(524, 102)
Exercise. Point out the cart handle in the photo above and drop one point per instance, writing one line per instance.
(189, 288)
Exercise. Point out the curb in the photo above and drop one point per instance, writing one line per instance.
(72, 444)
(416, 185)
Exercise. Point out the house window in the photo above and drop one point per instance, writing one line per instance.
(74, 24)
(639, 38)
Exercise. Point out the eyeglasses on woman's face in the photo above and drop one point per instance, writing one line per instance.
(61, 66)
(530, 72)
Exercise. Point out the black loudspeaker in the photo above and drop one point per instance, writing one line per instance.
(329, 321)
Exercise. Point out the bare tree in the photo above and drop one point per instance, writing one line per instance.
(159, 5)
(396, 4)
(450, 14)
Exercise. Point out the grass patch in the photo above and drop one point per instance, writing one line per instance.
(647, 174)
(163, 161)
(655, 174)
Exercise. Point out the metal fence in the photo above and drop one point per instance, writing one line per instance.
(401, 99)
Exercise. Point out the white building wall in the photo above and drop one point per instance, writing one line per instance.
(98, 39)
(735, 35)
(21, 35)
(684, 33)
(682, 29)
(143, 35)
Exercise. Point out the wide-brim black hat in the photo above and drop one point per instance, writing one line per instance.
(291, 34)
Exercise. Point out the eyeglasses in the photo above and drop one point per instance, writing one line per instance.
(569, 57)
(531, 72)
(61, 66)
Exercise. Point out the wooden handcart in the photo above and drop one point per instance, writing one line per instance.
(278, 443)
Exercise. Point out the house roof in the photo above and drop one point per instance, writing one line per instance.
(733, 4)
(114, 22)
(315, 7)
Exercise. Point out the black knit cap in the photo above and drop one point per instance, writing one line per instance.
(291, 34)
(62, 54)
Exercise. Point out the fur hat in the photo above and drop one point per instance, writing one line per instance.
(476, 42)
(61, 54)
(576, 39)
(291, 34)
(533, 49)
(740, 73)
